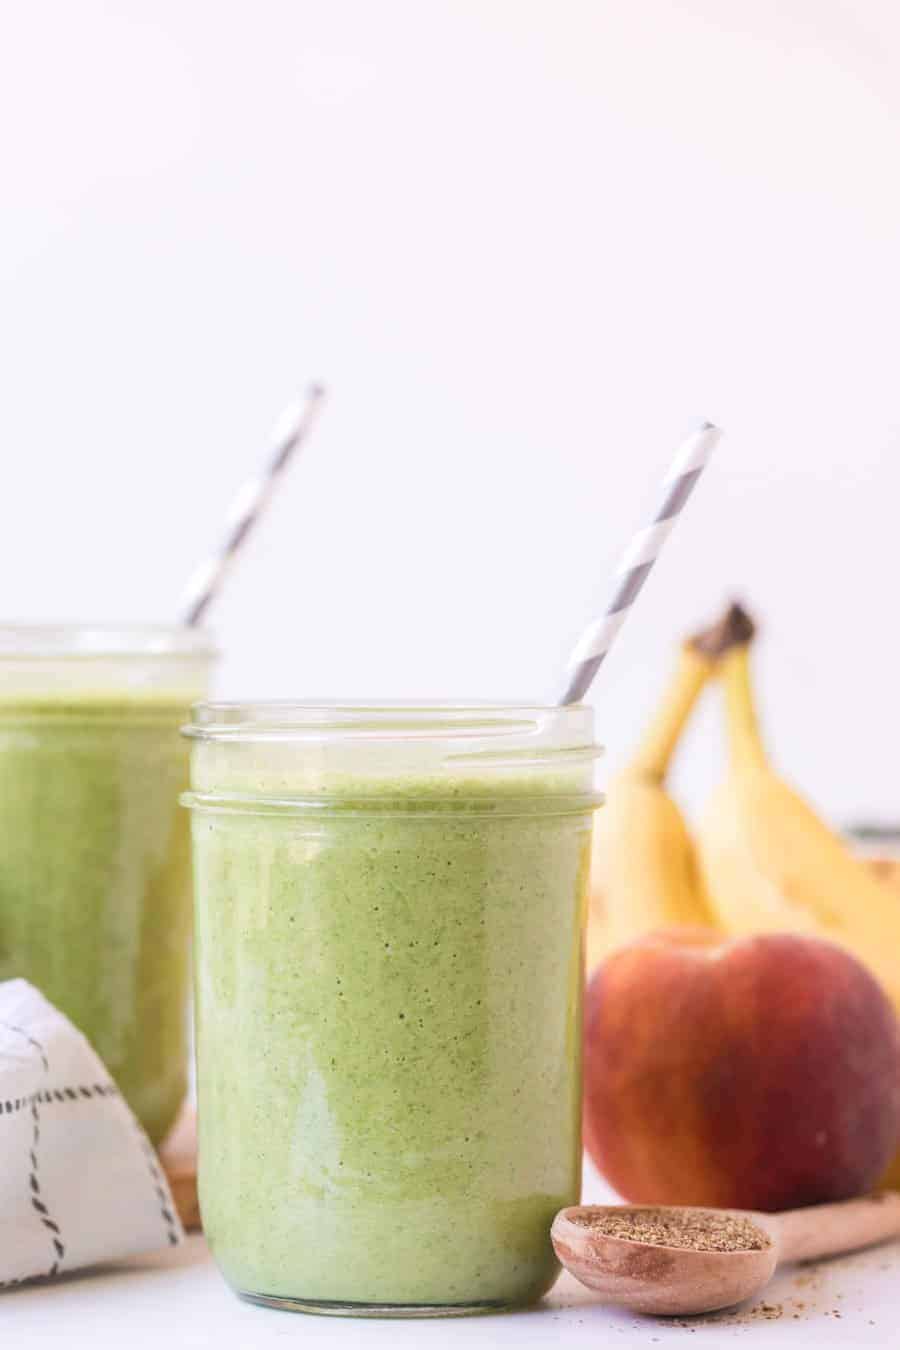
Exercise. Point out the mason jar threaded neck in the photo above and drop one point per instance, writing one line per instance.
(412, 757)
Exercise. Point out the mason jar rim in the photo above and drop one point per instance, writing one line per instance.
(91, 639)
(386, 720)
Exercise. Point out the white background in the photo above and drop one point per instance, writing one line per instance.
(525, 242)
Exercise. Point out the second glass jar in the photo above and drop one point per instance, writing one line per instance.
(95, 903)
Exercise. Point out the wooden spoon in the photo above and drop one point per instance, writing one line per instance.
(653, 1278)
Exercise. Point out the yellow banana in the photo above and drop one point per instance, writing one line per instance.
(769, 862)
(645, 873)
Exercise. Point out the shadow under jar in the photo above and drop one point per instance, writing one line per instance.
(388, 966)
(95, 882)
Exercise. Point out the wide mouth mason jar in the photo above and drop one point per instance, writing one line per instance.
(390, 903)
(95, 901)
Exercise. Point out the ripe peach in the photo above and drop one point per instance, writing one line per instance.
(759, 1073)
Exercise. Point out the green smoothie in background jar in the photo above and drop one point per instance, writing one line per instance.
(94, 851)
(388, 968)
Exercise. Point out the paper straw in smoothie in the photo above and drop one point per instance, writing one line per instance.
(637, 561)
(291, 431)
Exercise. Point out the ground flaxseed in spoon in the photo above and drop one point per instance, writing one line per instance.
(703, 1230)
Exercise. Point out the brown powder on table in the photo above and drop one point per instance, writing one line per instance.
(704, 1230)
(729, 1317)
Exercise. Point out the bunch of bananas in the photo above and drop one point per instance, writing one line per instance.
(762, 860)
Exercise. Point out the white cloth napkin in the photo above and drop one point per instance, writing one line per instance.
(79, 1180)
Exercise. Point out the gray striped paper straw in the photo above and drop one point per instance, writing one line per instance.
(291, 430)
(637, 561)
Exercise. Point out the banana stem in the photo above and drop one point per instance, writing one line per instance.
(744, 738)
(654, 752)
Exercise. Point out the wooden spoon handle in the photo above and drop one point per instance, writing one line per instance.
(825, 1230)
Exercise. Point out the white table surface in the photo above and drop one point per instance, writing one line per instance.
(177, 1301)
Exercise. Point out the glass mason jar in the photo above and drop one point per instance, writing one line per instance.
(388, 980)
(94, 851)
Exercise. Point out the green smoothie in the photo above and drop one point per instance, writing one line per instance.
(95, 877)
(95, 852)
(388, 992)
